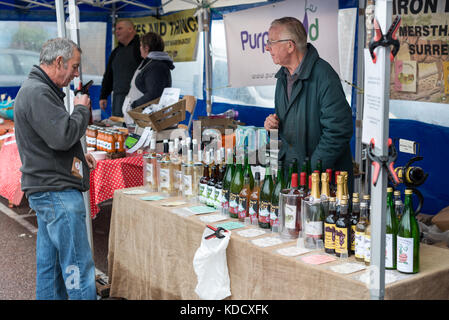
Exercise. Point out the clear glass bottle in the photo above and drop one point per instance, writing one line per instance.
(329, 227)
(314, 214)
(188, 185)
(360, 233)
(165, 171)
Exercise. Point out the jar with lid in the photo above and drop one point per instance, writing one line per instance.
(119, 142)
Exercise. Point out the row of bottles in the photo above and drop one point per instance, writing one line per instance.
(103, 139)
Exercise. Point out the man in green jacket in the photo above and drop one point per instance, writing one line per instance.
(311, 112)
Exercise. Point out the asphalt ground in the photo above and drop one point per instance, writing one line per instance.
(18, 230)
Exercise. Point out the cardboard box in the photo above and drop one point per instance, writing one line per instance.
(441, 219)
(161, 119)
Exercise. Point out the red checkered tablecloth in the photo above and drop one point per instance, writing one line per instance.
(10, 174)
(110, 175)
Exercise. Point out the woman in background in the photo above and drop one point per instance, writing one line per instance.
(152, 76)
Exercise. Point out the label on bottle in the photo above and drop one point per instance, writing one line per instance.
(274, 213)
(200, 192)
(252, 209)
(242, 208)
(314, 229)
(177, 184)
(264, 212)
(165, 178)
(329, 236)
(360, 245)
(367, 246)
(233, 203)
(290, 216)
(187, 185)
(225, 199)
(405, 254)
(210, 195)
(149, 176)
(353, 238)
(341, 240)
(389, 250)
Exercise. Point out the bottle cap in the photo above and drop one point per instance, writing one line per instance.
(294, 180)
(397, 192)
(408, 191)
(303, 178)
(389, 189)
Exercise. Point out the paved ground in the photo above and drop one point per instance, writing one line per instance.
(18, 227)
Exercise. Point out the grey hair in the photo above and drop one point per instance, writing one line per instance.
(56, 47)
(294, 30)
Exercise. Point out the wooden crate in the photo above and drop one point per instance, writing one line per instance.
(161, 119)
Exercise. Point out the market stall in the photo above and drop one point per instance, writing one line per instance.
(151, 250)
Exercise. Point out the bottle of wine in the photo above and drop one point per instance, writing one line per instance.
(244, 199)
(211, 186)
(274, 207)
(253, 208)
(398, 204)
(187, 178)
(408, 238)
(248, 170)
(354, 219)
(314, 216)
(265, 198)
(367, 242)
(219, 188)
(166, 173)
(202, 190)
(236, 187)
(390, 232)
(230, 169)
(325, 190)
(329, 227)
(360, 233)
(292, 209)
(343, 230)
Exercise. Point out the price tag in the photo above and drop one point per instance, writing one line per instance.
(407, 146)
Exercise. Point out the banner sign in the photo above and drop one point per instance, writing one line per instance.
(179, 31)
(249, 64)
(421, 67)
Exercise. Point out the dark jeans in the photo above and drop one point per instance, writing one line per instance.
(117, 103)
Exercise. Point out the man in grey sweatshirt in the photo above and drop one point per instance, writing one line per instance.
(55, 171)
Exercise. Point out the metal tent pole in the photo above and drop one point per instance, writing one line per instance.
(60, 21)
(383, 12)
(208, 59)
(75, 37)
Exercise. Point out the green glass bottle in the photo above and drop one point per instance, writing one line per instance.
(279, 185)
(292, 168)
(236, 187)
(265, 199)
(248, 171)
(319, 165)
(230, 169)
(408, 238)
(390, 232)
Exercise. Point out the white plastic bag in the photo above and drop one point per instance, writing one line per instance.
(211, 267)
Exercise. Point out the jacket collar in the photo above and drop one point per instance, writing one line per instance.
(39, 73)
(136, 38)
(306, 65)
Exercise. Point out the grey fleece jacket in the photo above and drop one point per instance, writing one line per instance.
(48, 137)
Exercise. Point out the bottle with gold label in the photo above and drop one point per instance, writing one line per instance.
(360, 233)
(329, 227)
(343, 230)
(354, 219)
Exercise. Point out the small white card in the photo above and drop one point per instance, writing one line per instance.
(136, 191)
(249, 233)
(213, 218)
(266, 242)
(347, 268)
(292, 251)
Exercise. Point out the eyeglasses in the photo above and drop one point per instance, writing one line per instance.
(271, 42)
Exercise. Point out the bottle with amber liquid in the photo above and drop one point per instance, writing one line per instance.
(244, 198)
(253, 208)
(329, 227)
(343, 231)
(408, 238)
(211, 186)
(354, 219)
(265, 199)
(236, 187)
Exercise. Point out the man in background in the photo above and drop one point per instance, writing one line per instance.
(123, 61)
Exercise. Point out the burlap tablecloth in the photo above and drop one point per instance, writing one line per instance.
(151, 254)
